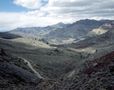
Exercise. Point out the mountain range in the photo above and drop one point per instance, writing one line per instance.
(77, 56)
(62, 33)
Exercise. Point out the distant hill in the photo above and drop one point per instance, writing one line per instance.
(61, 33)
(37, 32)
(103, 34)
(73, 32)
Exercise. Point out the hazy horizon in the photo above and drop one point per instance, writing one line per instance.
(50, 25)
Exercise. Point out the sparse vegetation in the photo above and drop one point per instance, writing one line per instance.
(31, 63)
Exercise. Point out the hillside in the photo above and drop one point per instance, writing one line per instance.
(45, 60)
(33, 63)
(90, 76)
(14, 72)
(94, 75)
(62, 33)
(37, 32)
(103, 35)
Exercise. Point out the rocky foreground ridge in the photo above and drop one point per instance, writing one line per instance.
(95, 74)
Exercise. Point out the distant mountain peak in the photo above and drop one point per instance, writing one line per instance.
(59, 25)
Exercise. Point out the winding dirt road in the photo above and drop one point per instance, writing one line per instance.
(31, 67)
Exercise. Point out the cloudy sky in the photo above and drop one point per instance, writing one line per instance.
(30, 13)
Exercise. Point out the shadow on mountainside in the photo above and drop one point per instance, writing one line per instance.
(7, 35)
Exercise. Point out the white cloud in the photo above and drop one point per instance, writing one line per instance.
(30, 4)
(9, 21)
(56, 11)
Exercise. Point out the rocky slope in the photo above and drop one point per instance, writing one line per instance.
(15, 72)
(94, 74)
